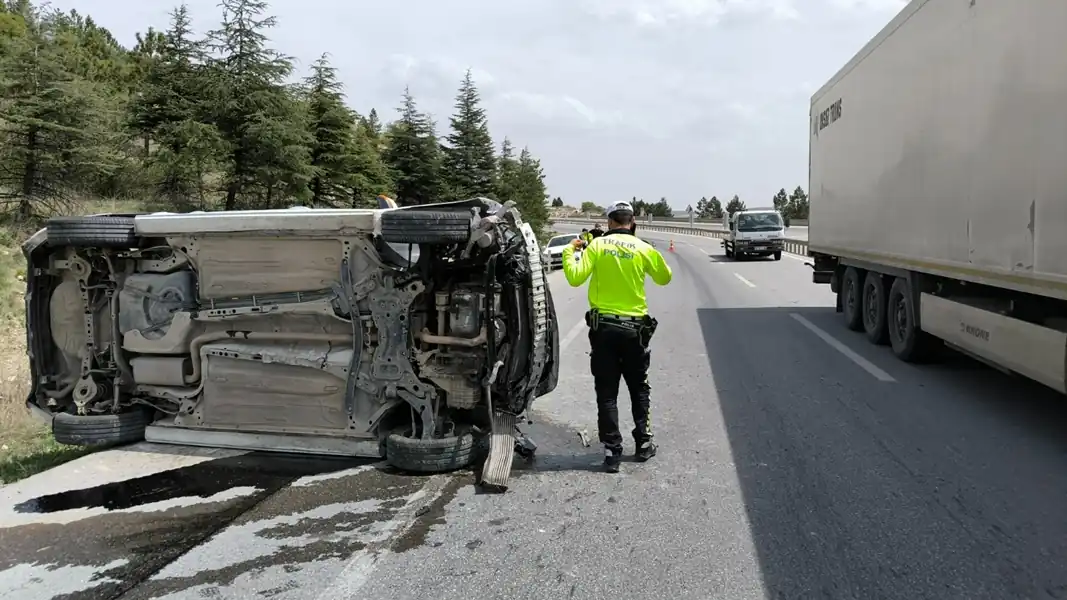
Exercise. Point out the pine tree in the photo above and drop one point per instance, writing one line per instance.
(798, 204)
(58, 131)
(714, 208)
(256, 113)
(529, 194)
(171, 110)
(333, 144)
(505, 184)
(781, 201)
(413, 155)
(735, 204)
(370, 174)
(468, 163)
(374, 125)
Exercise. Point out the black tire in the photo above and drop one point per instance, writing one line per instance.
(430, 456)
(874, 309)
(99, 232)
(852, 299)
(100, 430)
(777, 255)
(426, 226)
(728, 251)
(909, 343)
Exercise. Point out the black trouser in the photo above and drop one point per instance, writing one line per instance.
(617, 352)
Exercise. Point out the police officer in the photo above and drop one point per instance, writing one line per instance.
(619, 325)
(585, 236)
(597, 231)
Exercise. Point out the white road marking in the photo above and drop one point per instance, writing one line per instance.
(572, 335)
(795, 256)
(863, 363)
(744, 281)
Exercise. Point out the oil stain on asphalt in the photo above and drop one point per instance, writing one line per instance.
(270, 522)
(152, 520)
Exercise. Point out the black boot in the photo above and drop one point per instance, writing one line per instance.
(645, 452)
(612, 460)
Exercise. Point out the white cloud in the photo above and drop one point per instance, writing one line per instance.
(563, 107)
(670, 12)
(875, 5)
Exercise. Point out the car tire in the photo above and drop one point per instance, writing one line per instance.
(909, 343)
(874, 309)
(99, 232)
(852, 299)
(426, 226)
(439, 455)
(100, 430)
(778, 255)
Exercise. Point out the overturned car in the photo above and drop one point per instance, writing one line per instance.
(405, 333)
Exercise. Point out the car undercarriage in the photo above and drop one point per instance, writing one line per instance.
(409, 333)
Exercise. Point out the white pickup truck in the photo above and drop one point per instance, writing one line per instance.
(938, 184)
(753, 232)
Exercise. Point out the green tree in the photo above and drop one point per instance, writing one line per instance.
(169, 109)
(735, 204)
(374, 125)
(413, 155)
(370, 175)
(591, 207)
(781, 201)
(469, 165)
(702, 208)
(58, 131)
(333, 143)
(662, 209)
(798, 204)
(557, 202)
(714, 208)
(256, 113)
(530, 195)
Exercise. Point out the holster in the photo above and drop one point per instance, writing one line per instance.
(644, 328)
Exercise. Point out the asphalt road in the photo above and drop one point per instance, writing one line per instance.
(796, 461)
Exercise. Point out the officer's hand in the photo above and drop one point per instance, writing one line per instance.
(578, 243)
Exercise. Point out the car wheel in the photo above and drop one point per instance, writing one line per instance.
(429, 456)
(425, 226)
(99, 232)
(851, 300)
(100, 430)
(874, 308)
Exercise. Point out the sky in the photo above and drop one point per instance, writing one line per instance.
(618, 98)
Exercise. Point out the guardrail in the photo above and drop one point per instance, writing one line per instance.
(798, 247)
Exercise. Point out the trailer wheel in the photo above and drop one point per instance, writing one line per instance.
(874, 309)
(909, 343)
(851, 299)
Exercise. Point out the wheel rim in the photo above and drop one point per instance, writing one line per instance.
(900, 319)
(870, 305)
(850, 296)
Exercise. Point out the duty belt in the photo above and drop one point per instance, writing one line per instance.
(595, 319)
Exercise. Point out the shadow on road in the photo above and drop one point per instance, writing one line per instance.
(947, 483)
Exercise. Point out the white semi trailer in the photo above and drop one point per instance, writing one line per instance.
(938, 184)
